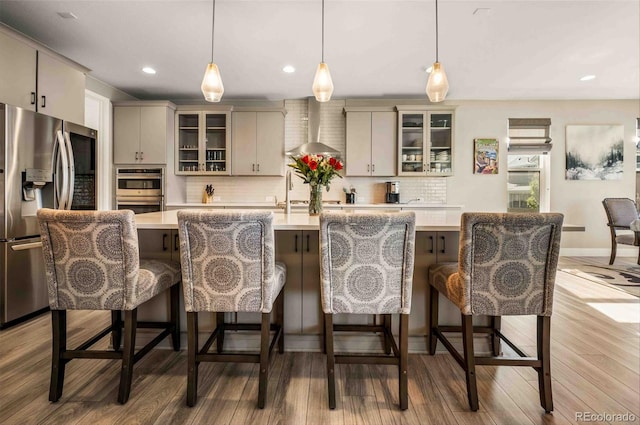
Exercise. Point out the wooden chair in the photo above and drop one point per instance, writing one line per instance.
(620, 213)
(228, 261)
(367, 268)
(92, 263)
(507, 266)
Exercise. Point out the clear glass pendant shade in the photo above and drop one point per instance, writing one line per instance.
(437, 85)
(212, 87)
(322, 84)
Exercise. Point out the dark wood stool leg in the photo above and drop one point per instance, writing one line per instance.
(496, 322)
(387, 334)
(175, 316)
(404, 358)
(192, 362)
(264, 359)
(614, 246)
(280, 319)
(331, 361)
(59, 344)
(220, 326)
(126, 370)
(544, 354)
(432, 319)
(116, 329)
(469, 360)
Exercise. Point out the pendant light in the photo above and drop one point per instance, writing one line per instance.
(322, 84)
(437, 85)
(212, 87)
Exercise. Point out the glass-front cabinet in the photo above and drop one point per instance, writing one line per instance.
(203, 143)
(425, 143)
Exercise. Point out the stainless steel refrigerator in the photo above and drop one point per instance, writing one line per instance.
(44, 162)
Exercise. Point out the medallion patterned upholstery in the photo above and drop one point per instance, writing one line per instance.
(366, 267)
(621, 212)
(506, 266)
(92, 263)
(228, 265)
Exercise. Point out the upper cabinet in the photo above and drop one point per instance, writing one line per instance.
(203, 142)
(39, 81)
(370, 142)
(142, 131)
(258, 143)
(425, 143)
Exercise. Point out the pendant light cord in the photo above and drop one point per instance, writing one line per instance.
(436, 30)
(322, 31)
(213, 23)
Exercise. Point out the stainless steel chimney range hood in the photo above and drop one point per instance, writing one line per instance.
(314, 147)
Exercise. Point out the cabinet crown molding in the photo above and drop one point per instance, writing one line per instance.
(368, 109)
(164, 103)
(400, 108)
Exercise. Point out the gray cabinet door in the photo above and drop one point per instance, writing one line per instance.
(60, 89)
(243, 146)
(153, 135)
(358, 149)
(383, 143)
(270, 143)
(126, 134)
(17, 75)
(289, 252)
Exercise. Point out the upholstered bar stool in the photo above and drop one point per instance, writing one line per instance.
(367, 268)
(507, 266)
(621, 212)
(92, 263)
(228, 265)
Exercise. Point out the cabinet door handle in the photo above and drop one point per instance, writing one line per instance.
(253, 167)
(141, 156)
(33, 98)
(176, 242)
(431, 249)
(373, 168)
(368, 168)
(443, 245)
(44, 101)
(258, 168)
(136, 156)
(164, 241)
(308, 243)
(295, 246)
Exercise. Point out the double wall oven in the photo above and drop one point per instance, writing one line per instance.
(140, 189)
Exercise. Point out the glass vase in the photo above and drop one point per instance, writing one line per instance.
(315, 199)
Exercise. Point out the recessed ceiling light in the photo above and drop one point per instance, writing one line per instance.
(588, 78)
(67, 15)
(148, 70)
(289, 69)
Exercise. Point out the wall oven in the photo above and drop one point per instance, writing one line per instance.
(140, 189)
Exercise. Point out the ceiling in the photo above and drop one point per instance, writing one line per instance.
(507, 49)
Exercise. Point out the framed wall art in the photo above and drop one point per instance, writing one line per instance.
(594, 152)
(485, 156)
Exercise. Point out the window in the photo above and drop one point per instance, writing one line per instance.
(528, 165)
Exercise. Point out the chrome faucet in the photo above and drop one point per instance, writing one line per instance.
(413, 200)
(287, 193)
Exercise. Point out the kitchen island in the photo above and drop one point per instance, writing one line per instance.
(297, 245)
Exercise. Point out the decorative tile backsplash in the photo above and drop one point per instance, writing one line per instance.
(332, 132)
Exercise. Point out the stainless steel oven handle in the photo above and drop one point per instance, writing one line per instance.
(138, 177)
(139, 202)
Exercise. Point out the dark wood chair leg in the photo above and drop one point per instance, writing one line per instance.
(279, 308)
(544, 354)
(116, 329)
(264, 359)
(614, 246)
(59, 337)
(331, 361)
(469, 360)
(126, 370)
(496, 322)
(175, 316)
(387, 334)
(192, 362)
(432, 319)
(220, 337)
(403, 377)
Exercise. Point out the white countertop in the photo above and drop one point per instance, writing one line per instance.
(300, 206)
(428, 220)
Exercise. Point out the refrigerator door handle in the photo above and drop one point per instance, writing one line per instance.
(25, 246)
(62, 187)
(72, 170)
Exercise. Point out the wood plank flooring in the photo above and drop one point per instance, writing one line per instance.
(595, 368)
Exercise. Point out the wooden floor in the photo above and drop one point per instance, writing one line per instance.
(595, 368)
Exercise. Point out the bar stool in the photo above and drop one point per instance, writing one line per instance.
(228, 265)
(507, 266)
(367, 268)
(92, 263)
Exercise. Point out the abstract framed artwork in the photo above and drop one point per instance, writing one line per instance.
(485, 156)
(594, 152)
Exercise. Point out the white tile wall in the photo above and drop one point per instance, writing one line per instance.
(332, 133)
